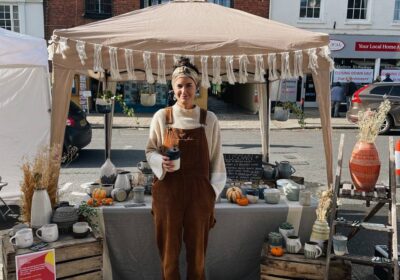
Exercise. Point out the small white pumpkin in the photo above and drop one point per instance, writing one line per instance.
(233, 193)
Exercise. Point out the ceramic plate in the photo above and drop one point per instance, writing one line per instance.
(283, 182)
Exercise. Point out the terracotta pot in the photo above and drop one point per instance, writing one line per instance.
(364, 166)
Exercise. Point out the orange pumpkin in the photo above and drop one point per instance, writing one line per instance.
(94, 202)
(99, 194)
(242, 201)
(277, 251)
(107, 201)
(233, 193)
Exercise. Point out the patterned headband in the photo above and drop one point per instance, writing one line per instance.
(184, 71)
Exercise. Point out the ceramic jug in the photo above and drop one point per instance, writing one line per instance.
(270, 171)
(292, 191)
(285, 169)
(122, 181)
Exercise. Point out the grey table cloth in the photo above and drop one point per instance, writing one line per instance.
(235, 243)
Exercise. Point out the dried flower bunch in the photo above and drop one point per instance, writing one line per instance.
(324, 204)
(369, 122)
(40, 174)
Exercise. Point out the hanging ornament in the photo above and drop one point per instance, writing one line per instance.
(243, 62)
(80, 48)
(161, 69)
(285, 66)
(130, 66)
(298, 64)
(272, 73)
(205, 83)
(217, 70)
(147, 67)
(259, 72)
(229, 69)
(114, 69)
(98, 61)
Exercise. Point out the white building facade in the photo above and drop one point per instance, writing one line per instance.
(23, 16)
(365, 36)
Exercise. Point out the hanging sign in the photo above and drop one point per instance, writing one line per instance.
(38, 265)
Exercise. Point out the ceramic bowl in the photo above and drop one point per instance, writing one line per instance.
(272, 196)
(90, 188)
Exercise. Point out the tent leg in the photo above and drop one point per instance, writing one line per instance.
(264, 115)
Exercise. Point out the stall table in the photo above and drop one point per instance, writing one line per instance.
(234, 248)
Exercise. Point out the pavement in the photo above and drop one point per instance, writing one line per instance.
(230, 116)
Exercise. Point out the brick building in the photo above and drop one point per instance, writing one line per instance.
(66, 14)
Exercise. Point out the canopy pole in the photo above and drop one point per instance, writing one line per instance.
(264, 116)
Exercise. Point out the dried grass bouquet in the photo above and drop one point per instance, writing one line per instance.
(324, 204)
(369, 122)
(40, 174)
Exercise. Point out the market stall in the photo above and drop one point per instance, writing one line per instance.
(226, 44)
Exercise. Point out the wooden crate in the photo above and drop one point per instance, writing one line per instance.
(78, 259)
(296, 266)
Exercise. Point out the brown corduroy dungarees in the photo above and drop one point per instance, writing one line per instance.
(183, 202)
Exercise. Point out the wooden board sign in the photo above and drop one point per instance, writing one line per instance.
(244, 167)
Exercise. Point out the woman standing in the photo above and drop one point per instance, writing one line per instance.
(183, 200)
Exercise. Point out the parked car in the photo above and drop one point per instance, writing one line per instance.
(371, 96)
(78, 131)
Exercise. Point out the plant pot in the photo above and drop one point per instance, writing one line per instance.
(147, 99)
(41, 210)
(364, 166)
(281, 114)
(103, 106)
(320, 231)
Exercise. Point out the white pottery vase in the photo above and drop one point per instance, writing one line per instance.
(122, 181)
(108, 172)
(41, 210)
(320, 231)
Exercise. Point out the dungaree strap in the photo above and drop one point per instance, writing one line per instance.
(203, 116)
(168, 116)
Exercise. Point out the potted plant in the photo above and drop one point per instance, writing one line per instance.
(280, 113)
(364, 163)
(147, 98)
(88, 214)
(320, 229)
(104, 102)
(286, 229)
(293, 108)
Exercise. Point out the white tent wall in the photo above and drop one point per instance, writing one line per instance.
(25, 106)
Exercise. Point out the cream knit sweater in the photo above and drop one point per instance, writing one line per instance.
(187, 119)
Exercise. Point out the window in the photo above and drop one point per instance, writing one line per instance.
(310, 8)
(395, 91)
(357, 9)
(147, 3)
(98, 9)
(381, 90)
(9, 18)
(397, 10)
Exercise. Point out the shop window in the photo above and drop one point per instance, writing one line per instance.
(397, 11)
(310, 8)
(98, 9)
(9, 17)
(147, 3)
(357, 9)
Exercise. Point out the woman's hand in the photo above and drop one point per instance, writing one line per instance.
(167, 164)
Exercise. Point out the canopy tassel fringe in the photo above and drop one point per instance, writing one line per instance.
(272, 73)
(325, 53)
(191, 58)
(217, 70)
(285, 66)
(229, 69)
(98, 61)
(205, 83)
(147, 67)
(130, 66)
(161, 69)
(243, 62)
(114, 69)
(312, 60)
(298, 64)
(62, 47)
(80, 48)
(50, 51)
(177, 57)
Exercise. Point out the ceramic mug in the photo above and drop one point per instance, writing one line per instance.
(23, 238)
(312, 250)
(81, 227)
(293, 244)
(143, 165)
(339, 244)
(48, 233)
(292, 192)
(305, 198)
